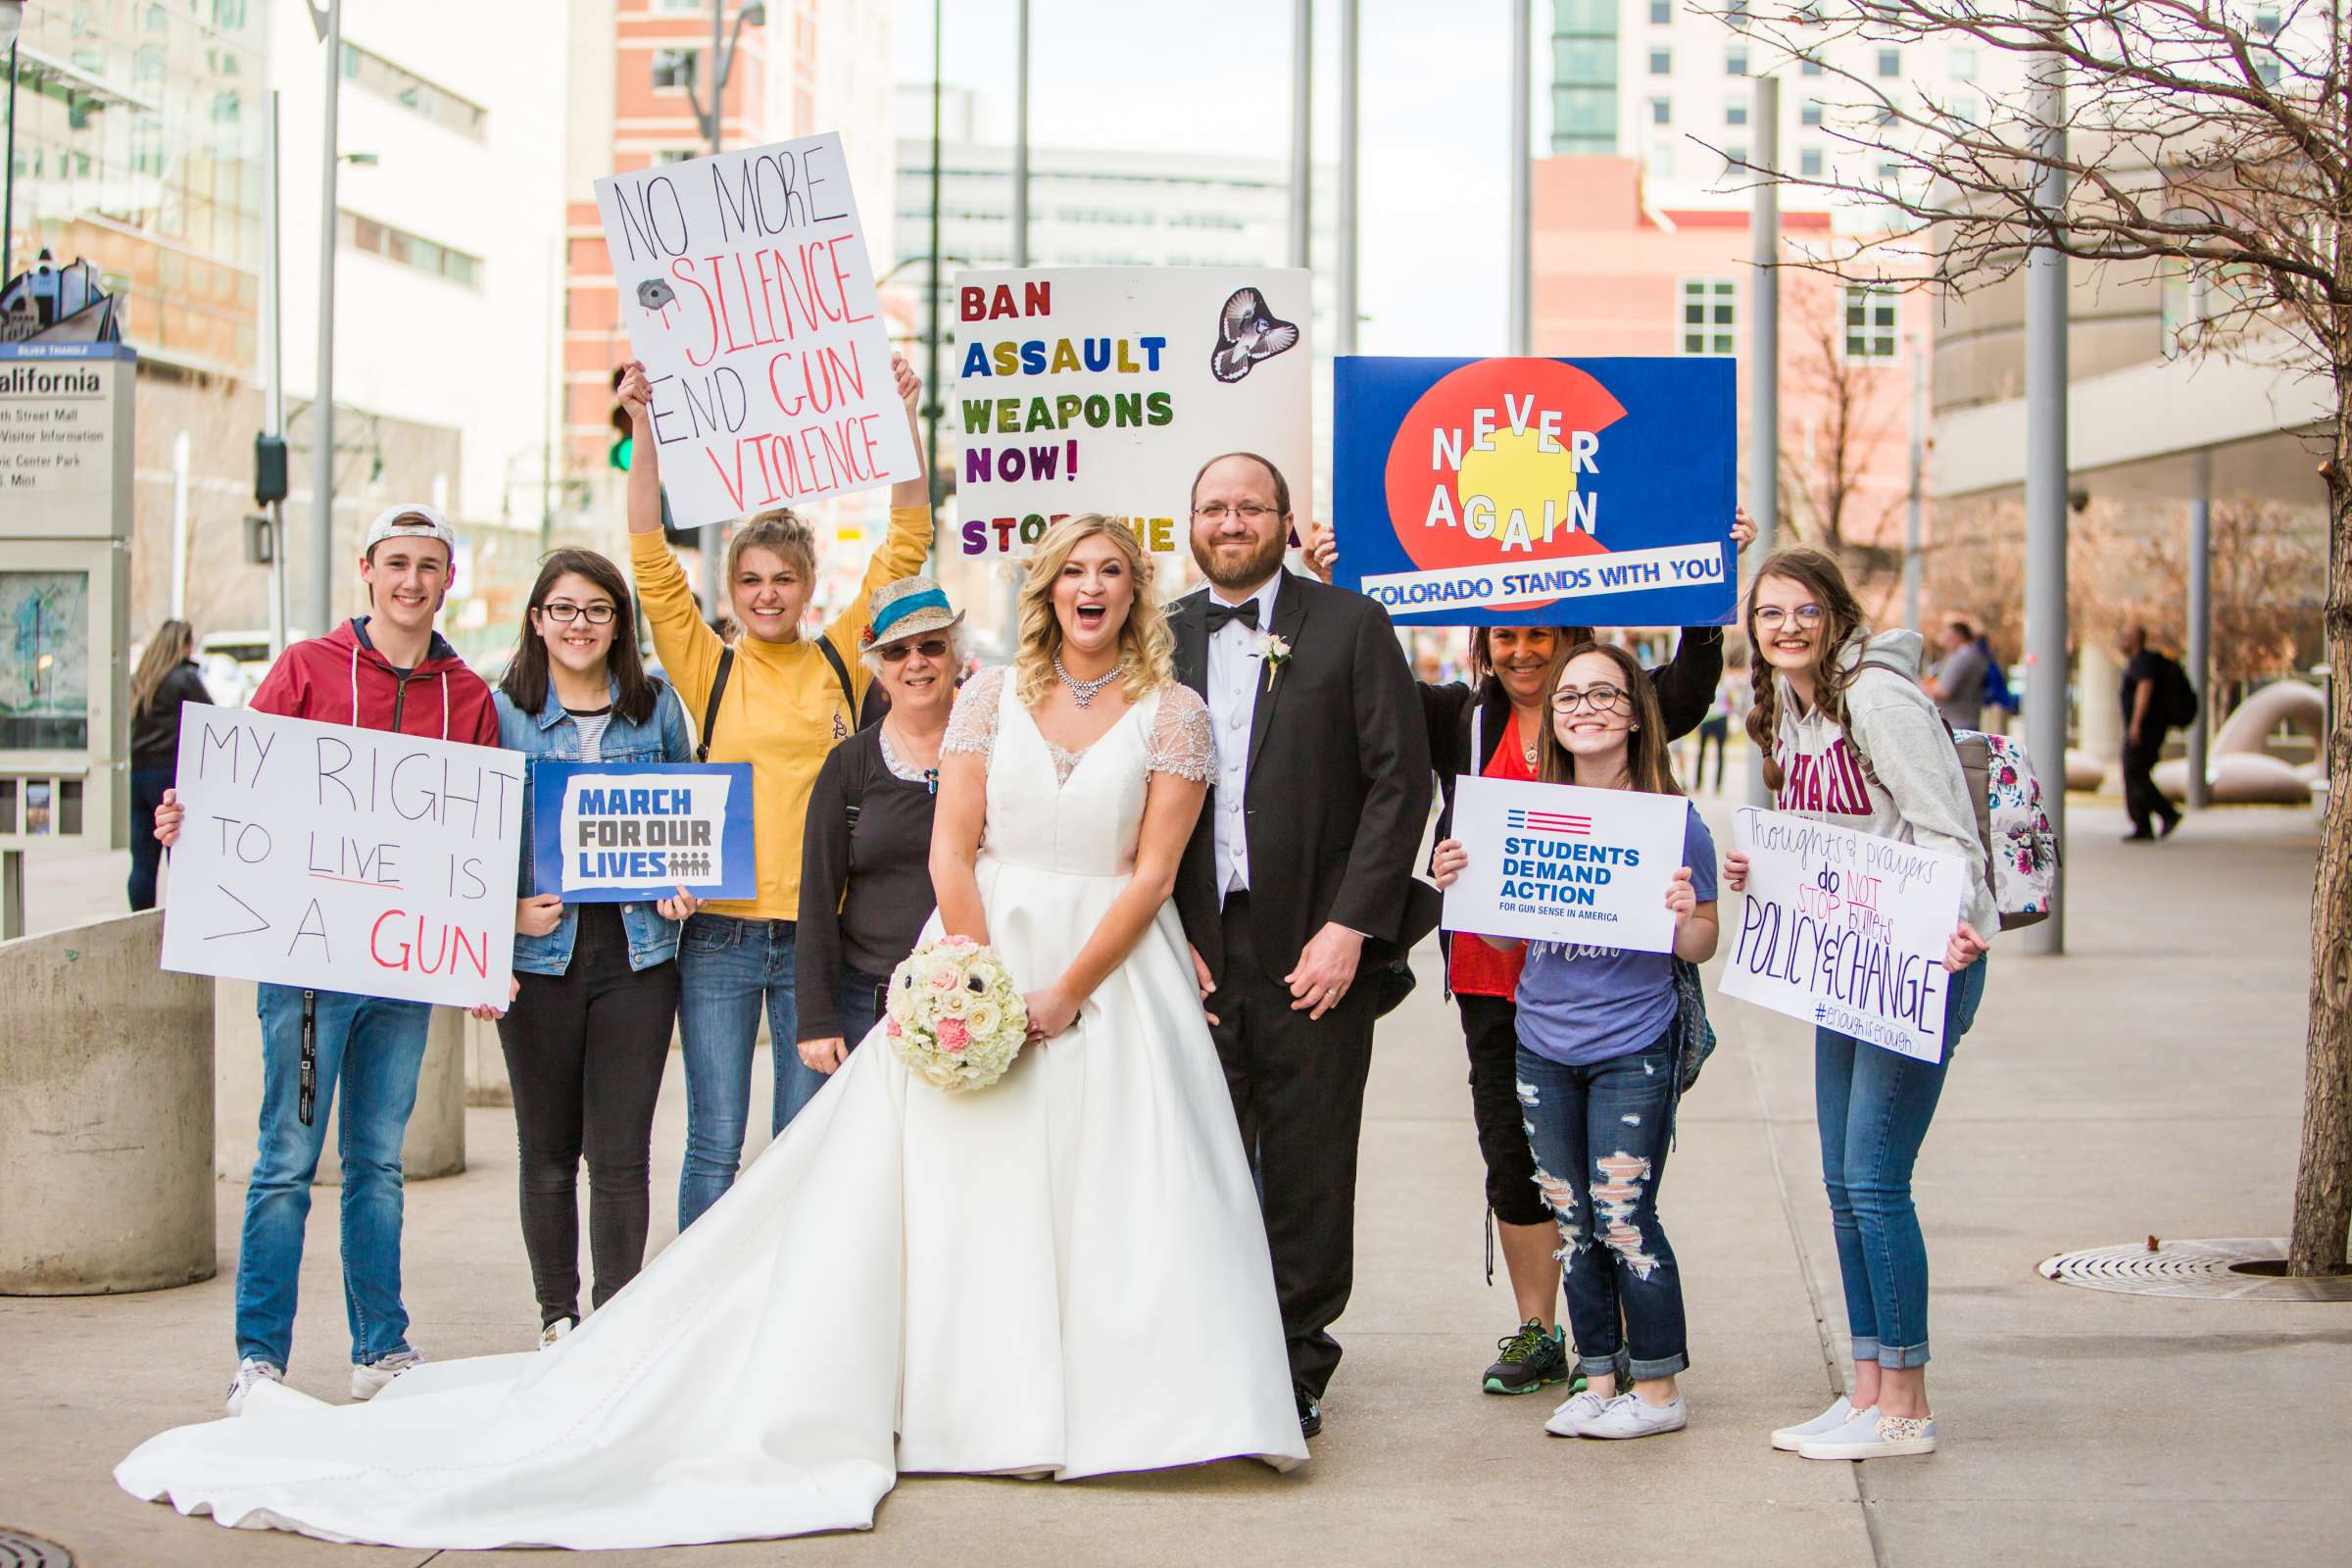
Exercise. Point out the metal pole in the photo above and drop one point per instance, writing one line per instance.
(1764, 358)
(1914, 516)
(1303, 129)
(712, 535)
(1521, 304)
(8, 202)
(1020, 137)
(2045, 696)
(2200, 625)
(323, 404)
(1343, 241)
(183, 449)
(274, 373)
(932, 391)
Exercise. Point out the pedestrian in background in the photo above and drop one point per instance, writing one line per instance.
(595, 985)
(1956, 681)
(865, 862)
(166, 678)
(2150, 703)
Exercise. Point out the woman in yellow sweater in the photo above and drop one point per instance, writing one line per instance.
(783, 708)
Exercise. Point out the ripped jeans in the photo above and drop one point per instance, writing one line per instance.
(1599, 1136)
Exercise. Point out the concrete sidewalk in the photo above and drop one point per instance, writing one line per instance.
(2147, 1083)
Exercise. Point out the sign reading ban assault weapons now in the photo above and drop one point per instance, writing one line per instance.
(344, 859)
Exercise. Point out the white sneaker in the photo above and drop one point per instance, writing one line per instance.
(555, 1331)
(1836, 1416)
(1871, 1435)
(253, 1369)
(1575, 1413)
(1629, 1415)
(369, 1380)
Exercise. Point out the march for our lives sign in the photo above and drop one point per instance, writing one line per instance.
(1558, 862)
(623, 832)
(1537, 492)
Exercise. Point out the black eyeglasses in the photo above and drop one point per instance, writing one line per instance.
(1599, 699)
(929, 648)
(565, 611)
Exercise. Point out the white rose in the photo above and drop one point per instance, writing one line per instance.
(986, 1017)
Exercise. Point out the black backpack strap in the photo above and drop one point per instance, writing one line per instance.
(841, 674)
(719, 689)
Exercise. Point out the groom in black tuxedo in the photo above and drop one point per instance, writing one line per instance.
(1297, 891)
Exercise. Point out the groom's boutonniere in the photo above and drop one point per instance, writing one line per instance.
(1276, 652)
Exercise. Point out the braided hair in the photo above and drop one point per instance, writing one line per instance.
(1819, 574)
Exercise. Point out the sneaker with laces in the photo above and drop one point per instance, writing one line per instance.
(250, 1371)
(1872, 1436)
(370, 1379)
(1629, 1415)
(557, 1330)
(1578, 1411)
(1836, 1416)
(1531, 1358)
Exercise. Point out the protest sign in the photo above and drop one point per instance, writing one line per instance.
(744, 281)
(1104, 389)
(343, 859)
(625, 832)
(1556, 862)
(1537, 492)
(1845, 928)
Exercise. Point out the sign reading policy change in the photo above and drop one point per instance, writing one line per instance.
(1556, 862)
(745, 285)
(344, 859)
(1845, 928)
(622, 832)
(1106, 388)
(1537, 492)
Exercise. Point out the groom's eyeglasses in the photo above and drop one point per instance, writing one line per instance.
(1247, 511)
(929, 648)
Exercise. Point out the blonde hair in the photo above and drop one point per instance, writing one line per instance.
(174, 641)
(1147, 648)
(782, 530)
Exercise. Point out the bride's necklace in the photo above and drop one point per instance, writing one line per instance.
(1082, 692)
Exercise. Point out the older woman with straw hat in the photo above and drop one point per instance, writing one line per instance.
(865, 877)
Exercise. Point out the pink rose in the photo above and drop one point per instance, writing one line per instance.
(953, 1034)
(892, 1029)
(944, 980)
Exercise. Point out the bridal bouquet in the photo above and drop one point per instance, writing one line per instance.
(956, 1019)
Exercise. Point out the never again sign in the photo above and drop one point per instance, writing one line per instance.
(344, 860)
(619, 833)
(747, 290)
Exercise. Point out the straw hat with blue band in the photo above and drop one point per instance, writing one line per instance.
(905, 608)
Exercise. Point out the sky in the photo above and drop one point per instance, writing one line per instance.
(1214, 77)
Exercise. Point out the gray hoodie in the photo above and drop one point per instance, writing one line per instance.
(1919, 794)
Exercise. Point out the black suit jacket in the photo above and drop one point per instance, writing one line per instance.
(1338, 784)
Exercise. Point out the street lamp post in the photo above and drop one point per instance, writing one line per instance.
(11, 23)
(327, 22)
(711, 112)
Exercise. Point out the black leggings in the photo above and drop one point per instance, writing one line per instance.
(1490, 1029)
(585, 1051)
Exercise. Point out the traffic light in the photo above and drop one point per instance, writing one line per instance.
(269, 469)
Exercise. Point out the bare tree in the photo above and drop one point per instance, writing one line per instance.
(2201, 132)
(1827, 462)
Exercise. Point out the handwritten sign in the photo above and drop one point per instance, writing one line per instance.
(746, 287)
(1556, 862)
(1537, 492)
(343, 859)
(1104, 389)
(622, 832)
(1845, 928)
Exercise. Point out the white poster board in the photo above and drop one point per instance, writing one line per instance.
(1106, 388)
(746, 287)
(1556, 862)
(1845, 928)
(343, 859)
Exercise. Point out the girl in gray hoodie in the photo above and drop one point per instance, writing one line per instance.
(1850, 738)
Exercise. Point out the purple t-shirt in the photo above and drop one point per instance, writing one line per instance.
(1578, 1004)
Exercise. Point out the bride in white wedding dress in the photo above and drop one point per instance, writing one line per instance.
(1065, 1273)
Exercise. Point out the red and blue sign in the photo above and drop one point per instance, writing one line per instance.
(1538, 492)
(1550, 822)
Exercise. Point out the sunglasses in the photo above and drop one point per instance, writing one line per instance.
(929, 648)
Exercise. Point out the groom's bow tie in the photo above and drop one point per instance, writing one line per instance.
(1219, 612)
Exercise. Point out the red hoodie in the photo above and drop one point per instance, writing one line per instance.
(341, 679)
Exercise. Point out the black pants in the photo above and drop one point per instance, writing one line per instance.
(1299, 1093)
(2142, 797)
(585, 1051)
(1491, 1030)
(1713, 730)
(147, 785)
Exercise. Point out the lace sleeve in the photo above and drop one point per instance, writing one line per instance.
(973, 726)
(1182, 741)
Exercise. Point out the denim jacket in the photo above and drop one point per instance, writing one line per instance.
(550, 733)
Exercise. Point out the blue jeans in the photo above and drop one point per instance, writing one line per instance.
(1618, 1261)
(147, 785)
(726, 969)
(1874, 1106)
(373, 1047)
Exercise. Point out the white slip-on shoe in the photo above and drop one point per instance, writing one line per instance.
(1575, 1412)
(253, 1369)
(1871, 1435)
(1629, 1415)
(555, 1331)
(1836, 1416)
(368, 1380)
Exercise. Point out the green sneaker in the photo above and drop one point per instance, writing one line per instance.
(1530, 1360)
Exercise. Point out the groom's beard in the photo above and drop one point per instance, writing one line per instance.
(1248, 573)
